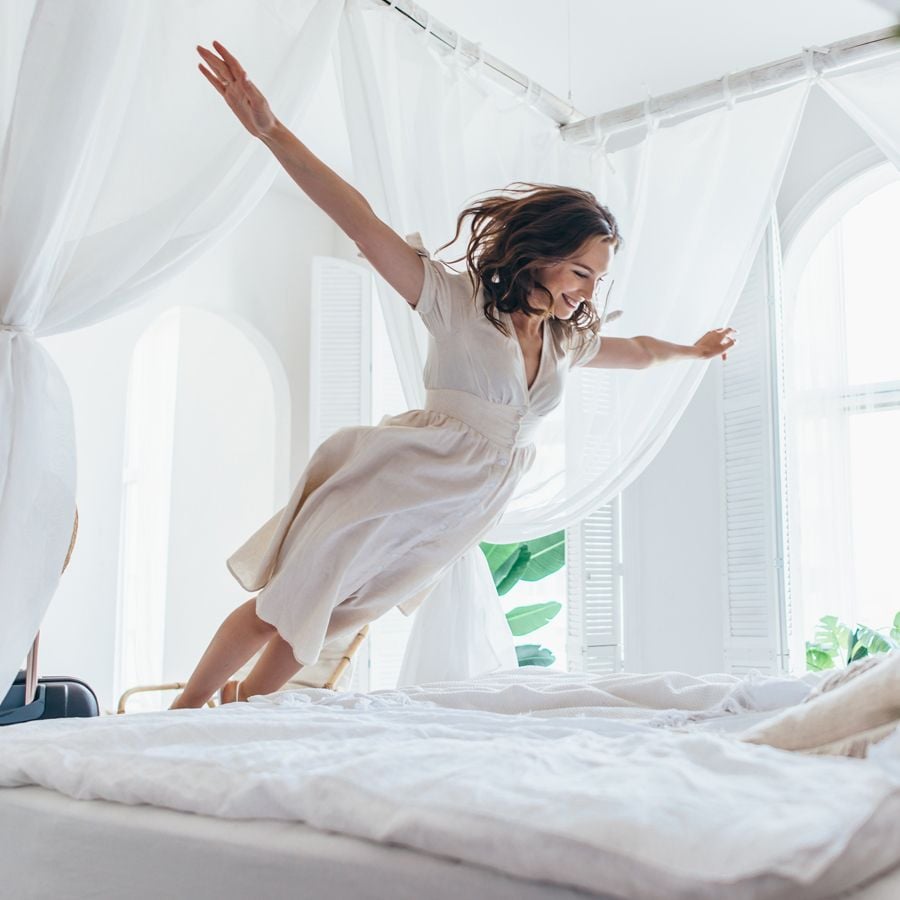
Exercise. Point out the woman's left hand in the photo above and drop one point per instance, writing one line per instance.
(716, 343)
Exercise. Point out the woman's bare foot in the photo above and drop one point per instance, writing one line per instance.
(231, 693)
(181, 702)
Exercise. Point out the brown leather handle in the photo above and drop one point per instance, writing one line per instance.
(31, 676)
(31, 666)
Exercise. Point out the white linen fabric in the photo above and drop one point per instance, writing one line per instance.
(427, 134)
(81, 238)
(868, 94)
(858, 712)
(609, 804)
(381, 511)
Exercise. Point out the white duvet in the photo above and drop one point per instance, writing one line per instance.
(618, 785)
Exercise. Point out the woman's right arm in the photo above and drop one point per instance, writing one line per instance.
(398, 263)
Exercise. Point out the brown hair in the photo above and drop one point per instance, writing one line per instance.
(525, 228)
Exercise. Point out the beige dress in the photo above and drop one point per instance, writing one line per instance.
(381, 511)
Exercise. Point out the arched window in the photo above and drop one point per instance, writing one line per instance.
(207, 423)
(842, 409)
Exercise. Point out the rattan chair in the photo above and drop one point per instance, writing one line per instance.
(330, 682)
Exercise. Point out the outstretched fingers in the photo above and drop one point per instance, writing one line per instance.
(212, 79)
(216, 65)
(237, 70)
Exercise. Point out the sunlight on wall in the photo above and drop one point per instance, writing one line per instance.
(204, 420)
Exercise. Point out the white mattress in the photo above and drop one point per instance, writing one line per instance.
(56, 848)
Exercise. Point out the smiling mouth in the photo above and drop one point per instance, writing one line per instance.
(572, 304)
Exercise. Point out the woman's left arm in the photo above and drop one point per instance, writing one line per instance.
(643, 352)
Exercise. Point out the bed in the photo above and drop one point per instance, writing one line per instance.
(523, 784)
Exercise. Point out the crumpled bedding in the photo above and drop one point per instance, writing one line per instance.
(617, 784)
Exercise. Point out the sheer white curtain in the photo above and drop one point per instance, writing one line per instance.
(818, 436)
(693, 199)
(868, 94)
(119, 166)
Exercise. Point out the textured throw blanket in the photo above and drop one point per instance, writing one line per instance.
(542, 775)
(851, 711)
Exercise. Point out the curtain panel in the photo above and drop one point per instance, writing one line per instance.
(109, 186)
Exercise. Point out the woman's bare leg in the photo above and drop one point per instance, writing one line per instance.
(273, 669)
(237, 639)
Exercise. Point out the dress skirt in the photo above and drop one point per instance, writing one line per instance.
(379, 513)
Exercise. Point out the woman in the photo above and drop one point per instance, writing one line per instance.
(380, 512)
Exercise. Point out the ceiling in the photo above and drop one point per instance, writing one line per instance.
(618, 51)
(612, 52)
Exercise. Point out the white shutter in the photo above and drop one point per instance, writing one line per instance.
(750, 473)
(340, 369)
(593, 547)
(340, 348)
(594, 591)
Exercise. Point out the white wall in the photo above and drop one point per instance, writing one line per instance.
(223, 482)
(674, 596)
(673, 611)
(259, 280)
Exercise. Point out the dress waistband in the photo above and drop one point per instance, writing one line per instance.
(505, 425)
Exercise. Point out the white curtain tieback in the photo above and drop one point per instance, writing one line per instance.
(16, 329)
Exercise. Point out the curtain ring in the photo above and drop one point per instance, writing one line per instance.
(809, 62)
(479, 62)
(727, 93)
(650, 119)
(526, 96)
(457, 49)
(600, 149)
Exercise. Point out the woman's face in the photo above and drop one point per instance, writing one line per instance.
(574, 281)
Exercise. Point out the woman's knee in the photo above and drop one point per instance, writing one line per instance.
(260, 626)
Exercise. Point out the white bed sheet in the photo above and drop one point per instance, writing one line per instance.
(551, 777)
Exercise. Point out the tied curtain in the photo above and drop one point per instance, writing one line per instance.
(428, 132)
(817, 380)
(119, 167)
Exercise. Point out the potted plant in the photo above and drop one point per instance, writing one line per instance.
(528, 561)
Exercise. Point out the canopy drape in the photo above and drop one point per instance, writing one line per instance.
(693, 199)
(107, 190)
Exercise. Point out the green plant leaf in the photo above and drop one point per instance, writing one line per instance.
(525, 619)
(873, 640)
(817, 659)
(500, 558)
(832, 636)
(856, 649)
(511, 578)
(548, 555)
(534, 655)
(895, 631)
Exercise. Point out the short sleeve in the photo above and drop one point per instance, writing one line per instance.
(583, 349)
(446, 299)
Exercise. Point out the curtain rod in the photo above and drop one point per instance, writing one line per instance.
(578, 128)
(738, 86)
(555, 108)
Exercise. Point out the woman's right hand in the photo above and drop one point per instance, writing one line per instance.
(228, 77)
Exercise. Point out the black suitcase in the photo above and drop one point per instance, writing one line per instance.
(31, 698)
(56, 697)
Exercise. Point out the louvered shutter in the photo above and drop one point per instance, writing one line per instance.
(340, 348)
(593, 546)
(750, 472)
(340, 370)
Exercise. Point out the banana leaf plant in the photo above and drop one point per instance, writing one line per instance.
(837, 644)
(528, 561)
